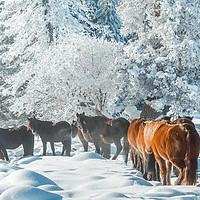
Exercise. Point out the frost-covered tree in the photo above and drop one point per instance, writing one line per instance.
(70, 77)
(106, 22)
(163, 58)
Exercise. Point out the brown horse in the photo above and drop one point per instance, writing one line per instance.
(176, 145)
(132, 138)
(181, 120)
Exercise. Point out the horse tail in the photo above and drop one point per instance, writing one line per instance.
(192, 145)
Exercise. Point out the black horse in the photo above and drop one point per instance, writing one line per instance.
(50, 132)
(13, 138)
(103, 131)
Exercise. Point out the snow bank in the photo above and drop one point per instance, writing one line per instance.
(26, 177)
(86, 155)
(111, 195)
(28, 193)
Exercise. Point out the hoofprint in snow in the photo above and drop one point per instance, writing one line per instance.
(84, 175)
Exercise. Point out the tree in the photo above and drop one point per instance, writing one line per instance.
(163, 52)
(72, 76)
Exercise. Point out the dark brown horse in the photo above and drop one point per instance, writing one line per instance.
(50, 132)
(185, 119)
(181, 120)
(176, 145)
(103, 131)
(13, 138)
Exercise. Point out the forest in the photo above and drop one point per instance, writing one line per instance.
(60, 57)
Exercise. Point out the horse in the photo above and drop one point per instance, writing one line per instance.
(132, 137)
(185, 119)
(50, 132)
(180, 120)
(104, 148)
(143, 161)
(13, 138)
(178, 145)
(103, 131)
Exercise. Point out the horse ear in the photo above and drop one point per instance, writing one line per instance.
(191, 118)
(77, 115)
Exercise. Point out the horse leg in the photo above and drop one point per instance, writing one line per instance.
(63, 150)
(67, 147)
(169, 167)
(150, 167)
(2, 155)
(83, 141)
(163, 169)
(97, 147)
(157, 173)
(44, 147)
(141, 165)
(132, 157)
(105, 148)
(125, 149)
(53, 148)
(175, 171)
(5, 154)
(119, 148)
(180, 177)
(180, 164)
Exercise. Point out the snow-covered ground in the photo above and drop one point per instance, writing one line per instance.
(84, 175)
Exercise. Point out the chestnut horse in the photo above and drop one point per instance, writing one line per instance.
(174, 144)
(132, 137)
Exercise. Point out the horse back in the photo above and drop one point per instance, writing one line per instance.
(149, 131)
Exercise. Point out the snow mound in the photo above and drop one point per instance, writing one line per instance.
(28, 193)
(87, 155)
(160, 191)
(111, 195)
(113, 182)
(26, 177)
(185, 197)
(29, 159)
(50, 187)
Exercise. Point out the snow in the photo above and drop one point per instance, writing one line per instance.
(84, 175)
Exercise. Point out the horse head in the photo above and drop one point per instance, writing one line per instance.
(32, 124)
(81, 122)
(74, 129)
